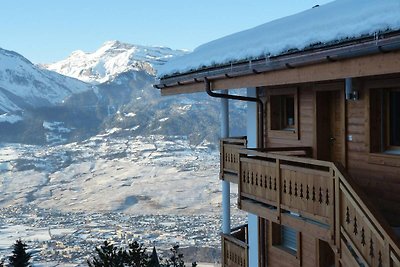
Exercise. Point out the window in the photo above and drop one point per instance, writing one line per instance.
(285, 237)
(283, 115)
(393, 125)
(385, 121)
(282, 112)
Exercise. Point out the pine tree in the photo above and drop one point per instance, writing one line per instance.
(154, 260)
(19, 258)
(176, 259)
(108, 256)
(136, 256)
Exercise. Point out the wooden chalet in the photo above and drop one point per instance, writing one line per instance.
(319, 169)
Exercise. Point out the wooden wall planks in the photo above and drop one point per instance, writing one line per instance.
(380, 180)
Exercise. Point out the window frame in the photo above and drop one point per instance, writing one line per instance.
(291, 133)
(388, 145)
(277, 240)
(381, 153)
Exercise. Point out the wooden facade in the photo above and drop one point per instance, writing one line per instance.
(322, 174)
(326, 184)
(316, 198)
(324, 114)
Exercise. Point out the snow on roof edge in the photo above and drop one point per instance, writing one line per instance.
(333, 22)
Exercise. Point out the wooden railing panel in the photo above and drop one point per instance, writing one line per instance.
(234, 255)
(258, 180)
(365, 236)
(229, 157)
(234, 250)
(307, 191)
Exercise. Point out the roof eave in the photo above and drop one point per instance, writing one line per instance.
(356, 48)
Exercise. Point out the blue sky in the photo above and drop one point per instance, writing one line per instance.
(45, 31)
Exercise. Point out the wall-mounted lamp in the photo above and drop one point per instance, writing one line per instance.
(351, 94)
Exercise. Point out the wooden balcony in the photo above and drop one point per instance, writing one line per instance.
(235, 248)
(229, 157)
(318, 195)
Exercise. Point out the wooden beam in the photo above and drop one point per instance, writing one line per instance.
(183, 89)
(378, 64)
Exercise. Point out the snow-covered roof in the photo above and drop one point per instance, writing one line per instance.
(337, 21)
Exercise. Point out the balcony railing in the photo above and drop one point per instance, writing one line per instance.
(287, 183)
(229, 157)
(273, 185)
(235, 248)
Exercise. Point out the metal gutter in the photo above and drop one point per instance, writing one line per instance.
(260, 107)
(298, 59)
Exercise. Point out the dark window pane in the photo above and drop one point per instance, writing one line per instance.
(394, 118)
(282, 112)
(289, 238)
(289, 112)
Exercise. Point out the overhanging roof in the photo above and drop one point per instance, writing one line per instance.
(342, 30)
(367, 56)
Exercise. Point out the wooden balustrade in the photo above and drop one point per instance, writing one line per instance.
(288, 183)
(235, 248)
(229, 157)
(307, 191)
(319, 191)
(360, 227)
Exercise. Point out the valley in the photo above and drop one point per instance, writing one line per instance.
(90, 151)
(64, 200)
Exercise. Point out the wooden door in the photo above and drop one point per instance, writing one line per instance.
(330, 126)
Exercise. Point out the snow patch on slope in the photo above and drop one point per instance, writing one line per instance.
(24, 84)
(10, 118)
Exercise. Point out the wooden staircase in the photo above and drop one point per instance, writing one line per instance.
(273, 184)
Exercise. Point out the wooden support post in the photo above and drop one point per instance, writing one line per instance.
(239, 200)
(221, 159)
(279, 199)
(337, 207)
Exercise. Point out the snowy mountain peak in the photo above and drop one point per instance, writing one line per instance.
(111, 59)
(23, 84)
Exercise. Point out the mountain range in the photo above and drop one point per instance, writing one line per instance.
(89, 93)
(112, 59)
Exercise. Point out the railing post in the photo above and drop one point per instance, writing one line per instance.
(337, 219)
(279, 193)
(335, 213)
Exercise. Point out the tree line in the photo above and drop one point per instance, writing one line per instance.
(109, 255)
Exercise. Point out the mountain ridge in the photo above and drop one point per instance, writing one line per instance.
(112, 59)
(24, 85)
(122, 96)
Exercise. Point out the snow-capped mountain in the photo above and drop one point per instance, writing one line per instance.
(24, 85)
(112, 59)
(40, 106)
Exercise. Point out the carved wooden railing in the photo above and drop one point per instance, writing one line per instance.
(235, 248)
(361, 229)
(322, 192)
(229, 157)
